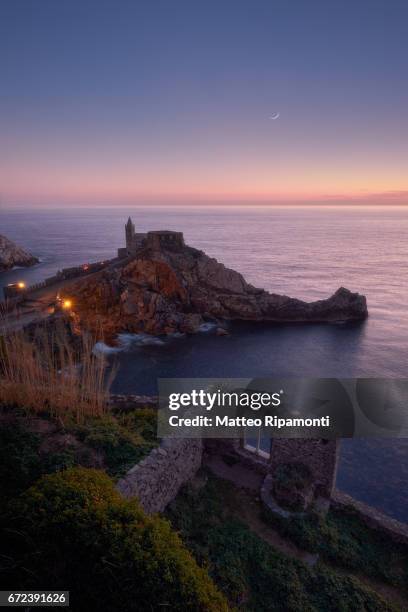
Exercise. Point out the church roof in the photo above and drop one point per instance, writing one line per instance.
(164, 232)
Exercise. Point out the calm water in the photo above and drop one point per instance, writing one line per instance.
(305, 253)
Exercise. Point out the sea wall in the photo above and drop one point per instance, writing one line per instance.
(157, 479)
(127, 403)
(372, 517)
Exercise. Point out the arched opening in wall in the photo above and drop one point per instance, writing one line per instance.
(255, 441)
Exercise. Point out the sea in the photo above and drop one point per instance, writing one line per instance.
(304, 252)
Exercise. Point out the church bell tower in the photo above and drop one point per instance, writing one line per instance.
(130, 235)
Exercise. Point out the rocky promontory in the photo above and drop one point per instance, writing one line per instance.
(12, 255)
(168, 287)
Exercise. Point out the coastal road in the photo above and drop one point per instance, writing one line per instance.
(40, 303)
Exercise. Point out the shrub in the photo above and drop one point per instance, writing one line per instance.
(20, 463)
(294, 475)
(293, 486)
(121, 446)
(344, 540)
(142, 421)
(252, 574)
(81, 535)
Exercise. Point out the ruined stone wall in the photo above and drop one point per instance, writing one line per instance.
(320, 456)
(156, 480)
(173, 241)
(127, 403)
(372, 517)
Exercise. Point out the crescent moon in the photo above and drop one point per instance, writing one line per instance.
(274, 116)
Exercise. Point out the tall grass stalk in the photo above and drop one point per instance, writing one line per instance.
(46, 371)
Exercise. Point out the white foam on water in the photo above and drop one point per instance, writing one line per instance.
(101, 348)
(207, 327)
(176, 335)
(125, 341)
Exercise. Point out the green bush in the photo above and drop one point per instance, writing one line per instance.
(344, 540)
(253, 575)
(73, 530)
(122, 444)
(123, 441)
(20, 463)
(293, 476)
(142, 421)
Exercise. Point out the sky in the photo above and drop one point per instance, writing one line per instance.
(137, 101)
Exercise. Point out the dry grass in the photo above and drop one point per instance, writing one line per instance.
(48, 372)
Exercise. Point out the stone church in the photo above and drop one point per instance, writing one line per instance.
(156, 240)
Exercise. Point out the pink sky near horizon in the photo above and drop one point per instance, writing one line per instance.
(90, 177)
(109, 197)
(228, 166)
(193, 103)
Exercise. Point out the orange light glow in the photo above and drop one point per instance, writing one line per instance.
(21, 285)
(67, 304)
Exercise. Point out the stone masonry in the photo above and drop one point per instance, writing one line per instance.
(156, 480)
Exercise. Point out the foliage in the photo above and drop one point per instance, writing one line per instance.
(48, 372)
(293, 475)
(20, 463)
(72, 530)
(292, 486)
(142, 421)
(253, 575)
(344, 540)
(123, 441)
(55, 462)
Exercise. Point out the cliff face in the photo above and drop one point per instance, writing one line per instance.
(166, 290)
(11, 255)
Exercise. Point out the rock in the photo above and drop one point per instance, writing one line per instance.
(220, 331)
(191, 323)
(12, 255)
(162, 291)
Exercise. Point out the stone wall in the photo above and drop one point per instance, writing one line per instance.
(156, 480)
(320, 456)
(173, 241)
(127, 403)
(372, 517)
